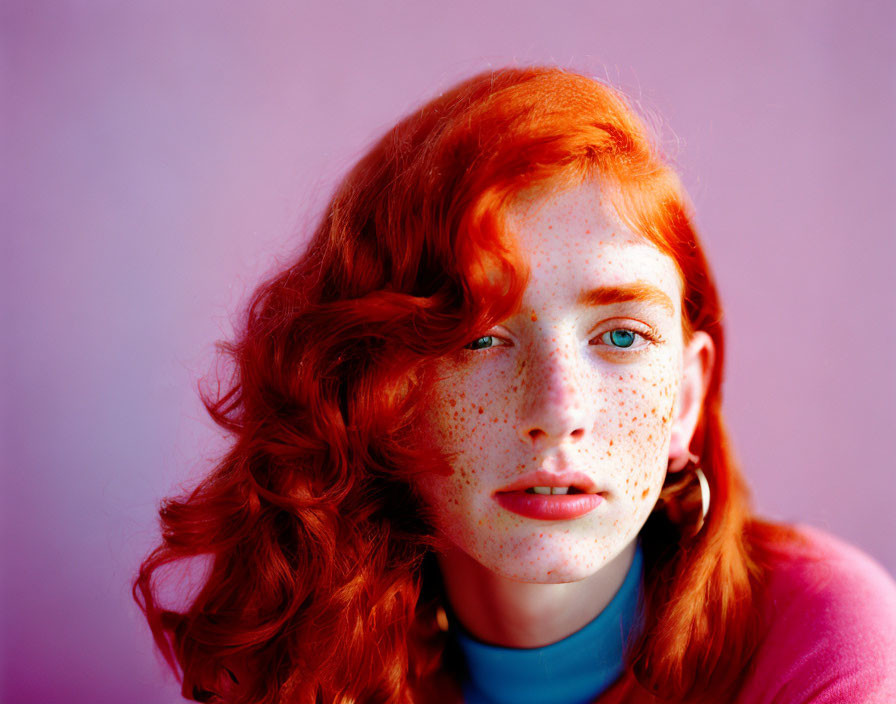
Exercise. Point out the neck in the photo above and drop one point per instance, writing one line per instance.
(510, 614)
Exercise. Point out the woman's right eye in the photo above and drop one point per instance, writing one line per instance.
(482, 343)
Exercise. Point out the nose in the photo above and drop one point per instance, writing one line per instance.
(555, 407)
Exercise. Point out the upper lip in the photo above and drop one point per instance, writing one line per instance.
(543, 477)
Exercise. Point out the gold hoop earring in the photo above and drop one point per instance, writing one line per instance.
(704, 494)
(686, 500)
(442, 619)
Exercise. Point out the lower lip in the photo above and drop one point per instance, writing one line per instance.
(548, 507)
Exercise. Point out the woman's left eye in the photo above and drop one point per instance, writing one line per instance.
(621, 338)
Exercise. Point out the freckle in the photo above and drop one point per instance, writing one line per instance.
(611, 442)
(644, 493)
(453, 402)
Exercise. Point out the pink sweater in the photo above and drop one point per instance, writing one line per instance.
(831, 629)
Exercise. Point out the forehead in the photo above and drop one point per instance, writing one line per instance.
(575, 241)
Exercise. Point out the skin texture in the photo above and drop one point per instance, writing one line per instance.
(550, 388)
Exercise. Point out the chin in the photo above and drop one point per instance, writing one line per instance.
(560, 569)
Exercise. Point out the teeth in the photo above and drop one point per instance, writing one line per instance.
(550, 489)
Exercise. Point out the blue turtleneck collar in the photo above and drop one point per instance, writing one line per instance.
(575, 670)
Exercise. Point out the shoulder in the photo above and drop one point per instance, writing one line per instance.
(830, 626)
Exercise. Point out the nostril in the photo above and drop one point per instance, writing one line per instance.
(537, 433)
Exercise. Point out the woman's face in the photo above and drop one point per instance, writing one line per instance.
(583, 380)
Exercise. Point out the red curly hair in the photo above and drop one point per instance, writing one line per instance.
(321, 586)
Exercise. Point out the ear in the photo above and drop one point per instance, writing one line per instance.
(699, 357)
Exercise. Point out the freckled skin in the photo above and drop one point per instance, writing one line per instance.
(553, 389)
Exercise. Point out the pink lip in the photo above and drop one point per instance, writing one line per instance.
(543, 477)
(548, 507)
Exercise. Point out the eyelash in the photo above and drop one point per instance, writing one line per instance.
(651, 337)
(469, 345)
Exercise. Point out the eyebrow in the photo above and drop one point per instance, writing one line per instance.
(605, 295)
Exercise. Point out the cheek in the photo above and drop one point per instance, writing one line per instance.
(469, 411)
(470, 418)
(637, 421)
(457, 419)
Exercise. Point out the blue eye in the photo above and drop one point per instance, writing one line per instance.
(619, 337)
(481, 343)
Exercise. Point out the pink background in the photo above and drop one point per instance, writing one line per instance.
(159, 156)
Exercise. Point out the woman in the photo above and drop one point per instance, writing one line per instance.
(478, 452)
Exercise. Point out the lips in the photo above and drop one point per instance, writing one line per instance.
(548, 507)
(517, 497)
(543, 477)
